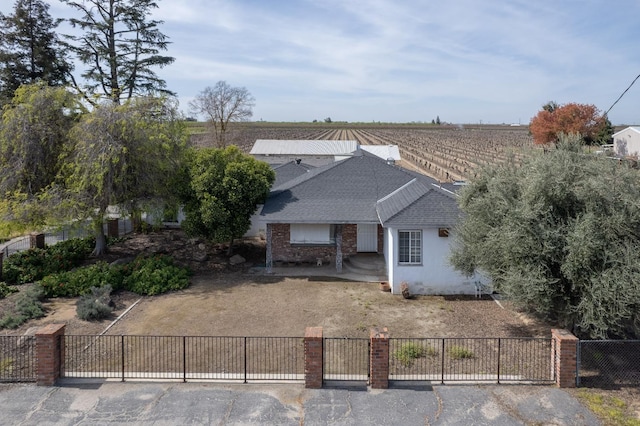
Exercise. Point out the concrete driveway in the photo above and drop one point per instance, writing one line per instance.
(150, 403)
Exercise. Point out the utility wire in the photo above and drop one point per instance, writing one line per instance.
(623, 93)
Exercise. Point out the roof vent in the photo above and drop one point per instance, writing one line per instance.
(298, 160)
(391, 161)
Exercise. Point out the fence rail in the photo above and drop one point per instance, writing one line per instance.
(346, 359)
(607, 363)
(185, 357)
(17, 359)
(471, 359)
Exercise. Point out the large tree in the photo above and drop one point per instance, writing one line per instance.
(553, 120)
(125, 156)
(223, 104)
(33, 139)
(120, 47)
(559, 235)
(224, 187)
(29, 48)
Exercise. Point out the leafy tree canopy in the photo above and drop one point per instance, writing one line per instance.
(123, 155)
(560, 236)
(29, 48)
(572, 118)
(224, 188)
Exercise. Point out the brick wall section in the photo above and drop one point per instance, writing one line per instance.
(36, 240)
(564, 353)
(283, 251)
(379, 361)
(313, 361)
(49, 354)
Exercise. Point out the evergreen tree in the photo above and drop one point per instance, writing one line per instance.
(29, 48)
(120, 46)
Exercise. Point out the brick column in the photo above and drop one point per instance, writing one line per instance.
(339, 249)
(313, 362)
(564, 357)
(112, 228)
(36, 240)
(269, 255)
(379, 361)
(49, 354)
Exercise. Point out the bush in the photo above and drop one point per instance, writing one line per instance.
(155, 275)
(79, 281)
(96, 304)
(34, 264)
(6, 290)
(411, 350)
(460, 352)
(28, 306)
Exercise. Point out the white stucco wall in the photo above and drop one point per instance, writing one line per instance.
(627, 143)
(435, 275)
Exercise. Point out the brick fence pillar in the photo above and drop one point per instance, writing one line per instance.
(36, 240)
(112, 228)
(379, 361)
(49, 354)
(564, 357)
(313, 362)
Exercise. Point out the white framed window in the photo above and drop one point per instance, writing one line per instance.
(410, 247)
(304, 233)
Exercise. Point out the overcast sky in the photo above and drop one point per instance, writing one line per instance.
(466, 61)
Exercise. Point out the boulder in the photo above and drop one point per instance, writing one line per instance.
(200, 256)
(237, 259)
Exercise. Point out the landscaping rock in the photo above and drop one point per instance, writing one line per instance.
(237, 259)
(200, 256)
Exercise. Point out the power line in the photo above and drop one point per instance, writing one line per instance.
(623, 93)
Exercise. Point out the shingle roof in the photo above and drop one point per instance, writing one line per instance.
(289, 171)
(420, 205)
(346, 191)
(303, 147)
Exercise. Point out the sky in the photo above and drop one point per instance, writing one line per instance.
(464, 61)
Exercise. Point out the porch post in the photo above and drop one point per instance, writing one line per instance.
(339, 248)
(269, 259)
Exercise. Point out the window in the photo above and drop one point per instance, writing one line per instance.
(311, 233)
(410, 247)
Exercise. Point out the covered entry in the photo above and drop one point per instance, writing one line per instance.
(367, 238)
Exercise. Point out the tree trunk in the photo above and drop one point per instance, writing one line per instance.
(101, 241)
(230, 249)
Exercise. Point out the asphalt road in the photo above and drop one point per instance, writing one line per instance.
(150, 403)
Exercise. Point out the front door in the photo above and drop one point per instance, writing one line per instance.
(368, 238)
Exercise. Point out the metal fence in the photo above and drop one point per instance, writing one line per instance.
(608, 363)
(523, 360)
(52, 237)
(346, 359)
(17, 359)
(185, 358)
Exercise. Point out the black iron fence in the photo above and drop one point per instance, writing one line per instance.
(471, 360)
(185, 358)
(17, 359)
(608, 363)
(346, 359)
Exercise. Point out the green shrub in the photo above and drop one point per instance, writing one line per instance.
(460, 352)
(411, 351)
(28, 306)
(34, 264)
(79, 281)
(6, 290)
(155, 275)
(96, 304)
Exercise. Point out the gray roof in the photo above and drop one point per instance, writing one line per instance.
(346, 191)
(303, 147)
(420, 205)
(288, 171)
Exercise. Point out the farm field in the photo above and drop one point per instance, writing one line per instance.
(446, 153)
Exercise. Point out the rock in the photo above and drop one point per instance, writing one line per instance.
(404, 287)
(202, 246)
(193, 241)
(122, 261)
(201, 256)
(237, 259)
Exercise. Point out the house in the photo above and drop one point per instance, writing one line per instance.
(626, 142)
(364, 204)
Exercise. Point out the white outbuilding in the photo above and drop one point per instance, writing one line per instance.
(626, 143)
